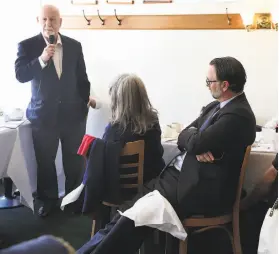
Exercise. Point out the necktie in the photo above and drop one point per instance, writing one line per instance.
(207, 121)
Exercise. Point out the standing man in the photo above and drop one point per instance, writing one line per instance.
(58, 108)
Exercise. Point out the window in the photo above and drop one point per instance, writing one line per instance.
(18, 18)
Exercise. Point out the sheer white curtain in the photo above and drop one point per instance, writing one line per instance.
(18, 22)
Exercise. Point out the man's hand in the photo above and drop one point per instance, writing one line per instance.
(205, 157)
(91, 102)
(48, 52)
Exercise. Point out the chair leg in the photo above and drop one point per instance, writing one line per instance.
(141, 250)
(236, 238)
(232, 240)
(93, 228)
(183, 246)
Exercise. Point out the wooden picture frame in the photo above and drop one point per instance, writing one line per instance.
(120, 1)
(263, 21)
(157, 1)
(84, 2)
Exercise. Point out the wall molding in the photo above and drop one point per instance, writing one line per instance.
(157, 22)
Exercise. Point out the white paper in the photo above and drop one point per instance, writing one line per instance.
(153, 210)
(97, 120)
(72, 196)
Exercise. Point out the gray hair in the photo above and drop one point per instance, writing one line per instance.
(130, 105)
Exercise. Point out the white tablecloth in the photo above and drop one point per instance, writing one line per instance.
(258, 163)
(13, 163)
(17, 161)
(17, 156)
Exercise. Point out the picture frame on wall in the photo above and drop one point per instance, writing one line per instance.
(120, 1)
(157, 1)
(84, 2)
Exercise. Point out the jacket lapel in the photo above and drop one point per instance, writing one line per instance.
(66, 54)
(205, 113)
(40, 45)
(239, 98)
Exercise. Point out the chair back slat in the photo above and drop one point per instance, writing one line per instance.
(134, 175)
(130, 165)
(129, 186)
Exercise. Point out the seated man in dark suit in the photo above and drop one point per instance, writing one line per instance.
(203, 178)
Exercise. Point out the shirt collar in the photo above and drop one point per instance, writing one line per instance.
(224, 103)
(59, 41)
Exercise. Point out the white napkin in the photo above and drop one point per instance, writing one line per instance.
(153, 210)
(72, 196)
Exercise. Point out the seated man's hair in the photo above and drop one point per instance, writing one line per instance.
(231, 70)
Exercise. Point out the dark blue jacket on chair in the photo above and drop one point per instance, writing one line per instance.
(53, 98)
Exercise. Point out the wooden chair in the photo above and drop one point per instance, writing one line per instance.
(131, 148)
(220, 221)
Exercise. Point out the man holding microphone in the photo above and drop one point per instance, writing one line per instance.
(59, 104)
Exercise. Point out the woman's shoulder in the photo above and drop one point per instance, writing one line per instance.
(155, 127)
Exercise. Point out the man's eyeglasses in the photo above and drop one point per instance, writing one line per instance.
(208, 82)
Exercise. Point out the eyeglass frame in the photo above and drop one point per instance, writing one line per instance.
(209, 82)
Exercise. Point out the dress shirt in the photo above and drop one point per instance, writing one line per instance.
(57, 57)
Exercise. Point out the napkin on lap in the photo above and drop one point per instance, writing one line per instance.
(153, 210)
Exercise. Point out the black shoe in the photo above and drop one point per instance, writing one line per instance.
(43, 211)
(46, 208)
(17, 193)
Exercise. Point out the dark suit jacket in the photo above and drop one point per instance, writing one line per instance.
(101, 178)
(211, 187)
(53, 98)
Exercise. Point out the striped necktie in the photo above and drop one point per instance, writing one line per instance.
(207, 121)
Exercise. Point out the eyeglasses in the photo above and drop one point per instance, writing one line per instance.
(208, 82)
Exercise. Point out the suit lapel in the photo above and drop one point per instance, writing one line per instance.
(239, 98)
(65, 54)
(205, 112)
(41, 44)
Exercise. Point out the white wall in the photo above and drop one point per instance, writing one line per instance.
(173, 65)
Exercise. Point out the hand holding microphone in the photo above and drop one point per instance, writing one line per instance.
(49, 50)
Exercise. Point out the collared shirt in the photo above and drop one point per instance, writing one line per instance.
(178, 161)
(57, 57)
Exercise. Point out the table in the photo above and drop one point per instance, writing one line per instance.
(258, 163)
(18, 161)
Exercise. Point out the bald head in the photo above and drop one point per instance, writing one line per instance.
(50, 20)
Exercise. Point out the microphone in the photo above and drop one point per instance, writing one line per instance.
(51, 39)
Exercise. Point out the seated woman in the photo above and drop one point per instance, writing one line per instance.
(133, 118)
